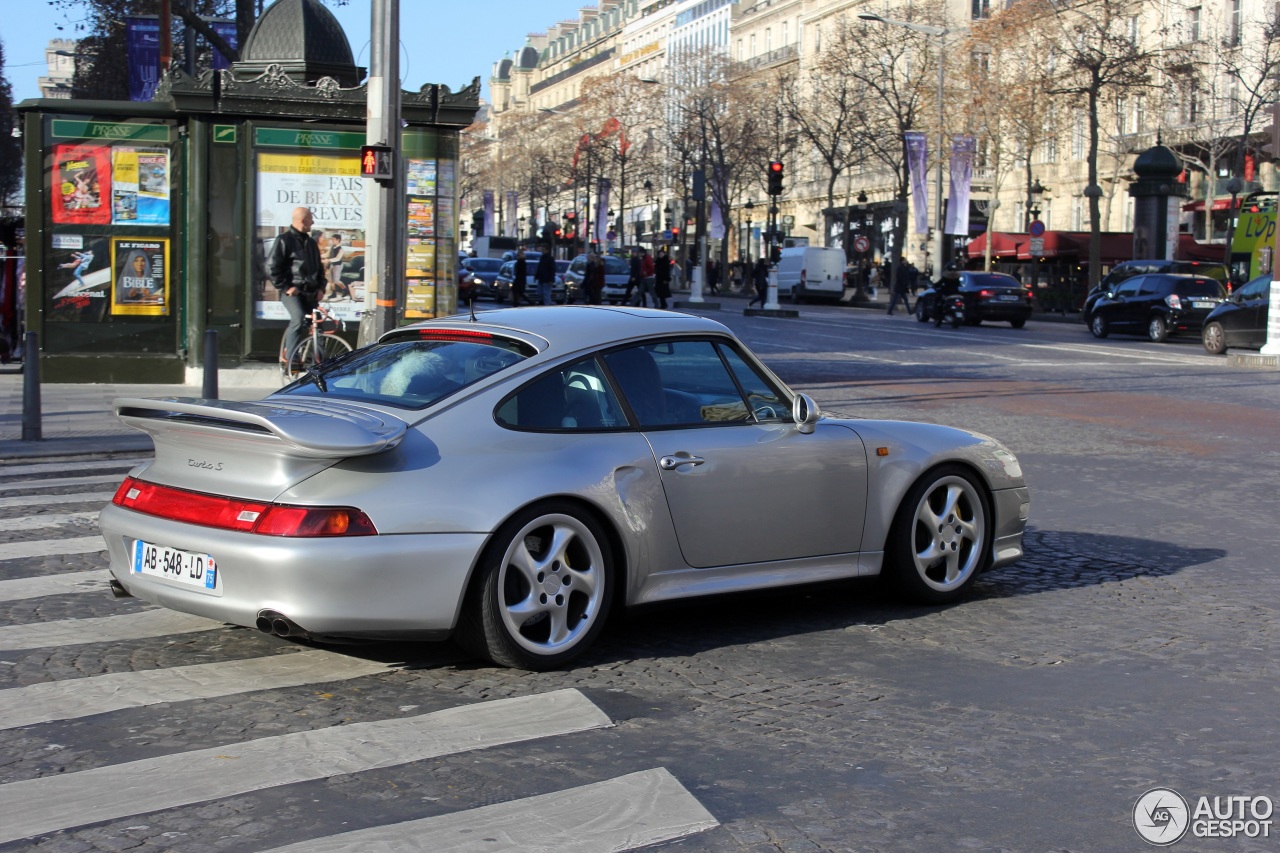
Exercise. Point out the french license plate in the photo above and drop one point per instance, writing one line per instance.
(1201, 304)
(197, 570)
(1007, 297)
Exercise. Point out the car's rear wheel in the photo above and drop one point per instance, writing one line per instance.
(921, 315)
(545, 583)
(1215, 339)
(1098, 325)
(939, 541)
(1018, 323)
(1157, 329)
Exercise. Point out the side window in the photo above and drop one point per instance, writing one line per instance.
(677, 383)
(573, 398)
(766, 404)
(1128, 288)
(1256, 289)
(1152, 284)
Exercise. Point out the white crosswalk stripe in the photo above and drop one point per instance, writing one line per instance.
(101, 629)
(42, 585)
(79, 697)
(62, 467)
(81, 498)
(61, 482)
(51, 803)
(624, 813)
(50, 547)
(31, 522)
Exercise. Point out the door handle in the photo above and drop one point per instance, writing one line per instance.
(671, 463)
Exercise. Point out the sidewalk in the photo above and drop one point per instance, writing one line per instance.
(77, 420)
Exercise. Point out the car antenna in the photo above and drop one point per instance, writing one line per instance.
(471, 303)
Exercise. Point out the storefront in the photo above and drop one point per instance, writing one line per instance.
(148, 223)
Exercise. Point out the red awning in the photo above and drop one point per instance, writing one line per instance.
(1073, 245)
(1218, 204)
(1189, 250)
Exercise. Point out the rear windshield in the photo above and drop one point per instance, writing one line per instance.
(485, 264)
(616, 266)
(411, 372)
(1214, 271)
(992, 280)
(1198, 287)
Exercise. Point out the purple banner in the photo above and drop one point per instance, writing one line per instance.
(226, 29)
(962, 151)
(918, 169)
(488, 213)
(142, 48)
(602, 211)
(510, 225)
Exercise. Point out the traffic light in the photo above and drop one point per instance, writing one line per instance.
(1271, 134)
(775, 177)
(477, 223)
(377, 162)
(675, 233)
(775, 254)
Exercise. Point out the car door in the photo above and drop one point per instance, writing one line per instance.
(1249, 329)
(1119, 310)
(743, 485)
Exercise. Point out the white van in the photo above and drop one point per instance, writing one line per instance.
(811, 272)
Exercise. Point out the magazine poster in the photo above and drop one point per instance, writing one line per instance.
(140, 276)
(80, 283)
(420, 177)
(81, 184)
(421, 221)
(139, 186)
(330, 186)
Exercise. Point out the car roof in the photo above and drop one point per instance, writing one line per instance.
(572, 327)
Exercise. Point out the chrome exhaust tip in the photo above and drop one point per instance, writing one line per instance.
(273, 622)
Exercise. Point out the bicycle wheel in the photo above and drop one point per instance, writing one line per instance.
(331, 346)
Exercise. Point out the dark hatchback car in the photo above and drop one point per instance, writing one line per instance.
(1128, 269)
(987, 296)
(1241, 321)
(1158, 305)
(478, 277)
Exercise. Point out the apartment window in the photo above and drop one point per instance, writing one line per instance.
(753, 44)
(768, 40)
(981, 66)
(1140, 114)
(1078, 138)
(784, 33)
(1193, 23)
(1133, 29)
(1077, 215)
(740, 56)
(1235, 22)
(1122, 116)
(981, 9)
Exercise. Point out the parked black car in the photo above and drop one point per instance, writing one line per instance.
(477, 277)
(1160, 304)
(1128, 269)
(987, 296)
(1241, 321)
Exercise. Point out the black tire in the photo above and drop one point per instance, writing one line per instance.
(1099, 326)
(955, 320)
(1214, 338)
(921, 315)
(1019, 323)
(940, 540)
(797, 295)
(1157, 329)
(518, 612)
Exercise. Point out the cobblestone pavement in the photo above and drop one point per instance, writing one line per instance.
(1133, 647)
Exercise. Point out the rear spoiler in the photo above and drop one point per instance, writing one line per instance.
(302, 428)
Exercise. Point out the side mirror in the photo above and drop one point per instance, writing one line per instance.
(805, 412)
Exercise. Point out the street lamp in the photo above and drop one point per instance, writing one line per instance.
(941, 34)
(1033, 201)
(749, 207)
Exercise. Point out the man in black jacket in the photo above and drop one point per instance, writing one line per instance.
(297, 272)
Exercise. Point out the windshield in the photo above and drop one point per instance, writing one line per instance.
(616, 266)
(992, 280)
(410, 373)
(485, 264)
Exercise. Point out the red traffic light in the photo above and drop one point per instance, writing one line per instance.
(377, 162)
(775, 177)
(775, 166)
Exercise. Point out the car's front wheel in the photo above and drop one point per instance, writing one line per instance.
(1215, 339)
(939, 541)
(1098, 325)
(1157, 329)
(543, 592)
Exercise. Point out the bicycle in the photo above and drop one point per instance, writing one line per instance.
(321, 344)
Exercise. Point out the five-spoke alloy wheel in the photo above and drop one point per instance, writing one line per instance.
(544, 590)
(940, 539)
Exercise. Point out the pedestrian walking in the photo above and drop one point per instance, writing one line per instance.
(594, 278)
(662, 277)
(902, 285)
(519, 278)
(297, 272)
(760, 275)
(713, 277)
(545, 275)
(873, 281)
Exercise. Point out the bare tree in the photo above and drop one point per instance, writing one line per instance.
(1099, 57)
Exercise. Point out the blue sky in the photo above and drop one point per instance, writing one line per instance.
(442, 42)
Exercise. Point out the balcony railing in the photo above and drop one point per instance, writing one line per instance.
(774, 57)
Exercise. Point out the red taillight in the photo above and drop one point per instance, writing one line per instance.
(453, 335)
(1174, 301)
(246, 516)
(986, 294)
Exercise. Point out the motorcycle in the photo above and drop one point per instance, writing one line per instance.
(948, 309)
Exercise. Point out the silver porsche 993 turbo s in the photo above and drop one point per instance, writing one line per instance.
(508, 479)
